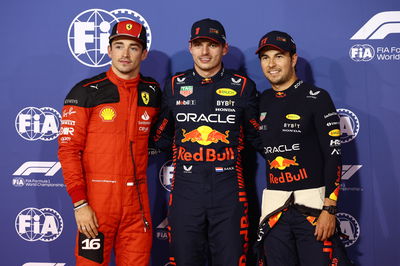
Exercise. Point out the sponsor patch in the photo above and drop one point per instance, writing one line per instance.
(186, 90)
(226, 92)
(107, 114)
(334, 133)
(293, 117)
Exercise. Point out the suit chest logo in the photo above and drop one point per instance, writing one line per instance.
(186, 90)
(145, 97)
(107, 114)
(226, 92)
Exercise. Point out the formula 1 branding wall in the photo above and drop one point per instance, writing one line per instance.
(48, 47)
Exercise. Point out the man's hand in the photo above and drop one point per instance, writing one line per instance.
(325, 227)
(326, 223)
(86, 221)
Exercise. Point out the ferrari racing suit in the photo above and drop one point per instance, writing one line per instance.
(103, 147)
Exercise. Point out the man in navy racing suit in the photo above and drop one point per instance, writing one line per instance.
(206, 112)
(300, 131)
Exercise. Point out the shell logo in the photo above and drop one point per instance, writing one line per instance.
(226, 92)
(292, 117)
(108, 114)
(334, 133)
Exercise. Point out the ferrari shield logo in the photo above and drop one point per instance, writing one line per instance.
(129, 26)
(145, 97)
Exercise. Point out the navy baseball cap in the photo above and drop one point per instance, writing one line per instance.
(130, 28)
(209, 29)
(277, 40)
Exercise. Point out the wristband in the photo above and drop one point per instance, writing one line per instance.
(80, 206)
(330, 209)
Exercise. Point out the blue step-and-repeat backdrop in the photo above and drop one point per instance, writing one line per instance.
(350, 48)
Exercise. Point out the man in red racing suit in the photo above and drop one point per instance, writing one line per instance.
(103, 147)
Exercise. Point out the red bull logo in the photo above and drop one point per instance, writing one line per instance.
(288, 177)
(205, 135)
(282, 163)
(207, 155)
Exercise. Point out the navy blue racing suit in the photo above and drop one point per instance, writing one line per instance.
(300, 130)
(206, 120)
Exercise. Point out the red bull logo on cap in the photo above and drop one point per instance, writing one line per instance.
(205, 135)
(282, 163)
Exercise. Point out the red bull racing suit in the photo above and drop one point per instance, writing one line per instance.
(300, 131)
(103, 152)
(207, 120)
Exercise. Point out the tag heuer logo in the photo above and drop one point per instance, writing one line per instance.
(263, 115)
(186, 90)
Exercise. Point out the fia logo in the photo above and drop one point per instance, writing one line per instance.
(349, 125)
(166, 174)
(34, 123)
(89, 31)
(362, 52)
(350, 227)
(162, 231)
(34, 224)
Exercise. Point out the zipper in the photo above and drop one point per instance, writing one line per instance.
(136, 183)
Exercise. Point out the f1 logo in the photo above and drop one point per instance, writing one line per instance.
(379, 26)
(31, 167)
(349, 170)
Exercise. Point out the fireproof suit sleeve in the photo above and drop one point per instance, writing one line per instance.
(71, 142)
(151, 143)
(251, 117)
(164, 127)
(327, 124)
